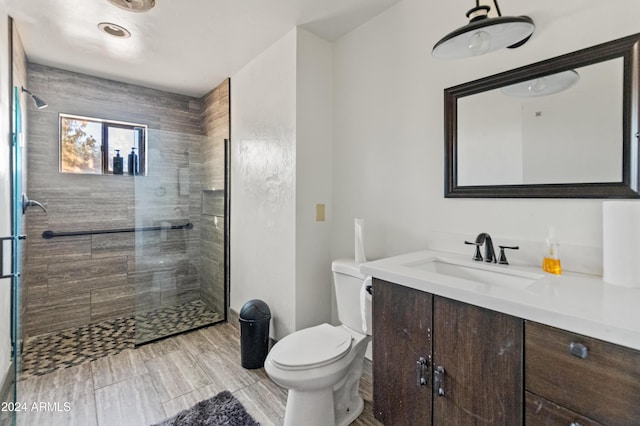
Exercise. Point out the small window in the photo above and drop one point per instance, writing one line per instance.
(88, 146)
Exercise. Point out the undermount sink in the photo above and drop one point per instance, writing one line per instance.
(477, 272)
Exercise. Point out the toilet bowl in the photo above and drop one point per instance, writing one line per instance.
(321, 366)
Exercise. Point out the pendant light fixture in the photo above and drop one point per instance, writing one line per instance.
(483, 34)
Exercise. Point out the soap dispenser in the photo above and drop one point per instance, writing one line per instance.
(133, 162)
(551, 259)
(118, 163)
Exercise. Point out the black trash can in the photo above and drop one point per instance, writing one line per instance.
(254, 333)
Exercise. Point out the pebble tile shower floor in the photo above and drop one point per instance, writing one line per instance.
(67, 348)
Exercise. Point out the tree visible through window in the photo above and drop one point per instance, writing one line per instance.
(88, 145)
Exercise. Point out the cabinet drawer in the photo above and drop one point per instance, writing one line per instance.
(604, 385)
(539, 411)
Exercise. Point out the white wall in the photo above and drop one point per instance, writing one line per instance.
(280, 169)
(388, 130)
(263, 149)
(387, 151)
(314, 98)
(5, 191)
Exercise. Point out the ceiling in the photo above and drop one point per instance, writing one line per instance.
(181, 46)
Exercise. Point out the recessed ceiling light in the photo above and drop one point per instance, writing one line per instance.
(114, 30)
(134, 5)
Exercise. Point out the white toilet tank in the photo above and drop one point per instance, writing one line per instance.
(348, 282)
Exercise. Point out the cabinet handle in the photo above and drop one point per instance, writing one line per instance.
(421, 367)
(579, 350)
(438, 380)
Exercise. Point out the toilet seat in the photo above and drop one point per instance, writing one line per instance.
(312, 347)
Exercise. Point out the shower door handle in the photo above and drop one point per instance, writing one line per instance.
(26, 203)
(12, 240)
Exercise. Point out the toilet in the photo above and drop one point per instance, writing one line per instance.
(321, 366)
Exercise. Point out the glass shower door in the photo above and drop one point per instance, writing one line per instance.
(15, 241)
(176, 260)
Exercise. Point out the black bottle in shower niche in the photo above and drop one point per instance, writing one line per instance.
(118, 163)
(133, 162)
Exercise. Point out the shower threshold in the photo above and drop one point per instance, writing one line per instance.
(46, 353)
(161, 323)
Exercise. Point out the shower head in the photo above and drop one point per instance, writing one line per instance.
(36, 100)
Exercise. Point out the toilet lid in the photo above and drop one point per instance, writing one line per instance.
(311, 347)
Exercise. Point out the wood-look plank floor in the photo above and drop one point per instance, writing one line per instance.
(139, 387)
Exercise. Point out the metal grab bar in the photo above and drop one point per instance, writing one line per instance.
(50, 234)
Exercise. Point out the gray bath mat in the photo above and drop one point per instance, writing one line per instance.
(221, 410)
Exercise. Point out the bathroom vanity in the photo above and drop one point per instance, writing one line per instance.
(463, 342)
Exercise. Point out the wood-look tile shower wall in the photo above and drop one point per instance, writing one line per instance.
(215, 127)
(73, 281)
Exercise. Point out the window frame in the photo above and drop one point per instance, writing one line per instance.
(104, 146)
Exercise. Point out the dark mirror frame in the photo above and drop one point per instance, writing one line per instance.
(627, 48)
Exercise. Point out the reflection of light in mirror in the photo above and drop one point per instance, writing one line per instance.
(543, 86)
(538, 86)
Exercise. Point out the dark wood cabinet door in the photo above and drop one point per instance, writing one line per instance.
(603, 383)
(481, 353)
(402, 324)
(540, 412)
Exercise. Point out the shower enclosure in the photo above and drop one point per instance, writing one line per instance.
(152, 267)
(120, 260)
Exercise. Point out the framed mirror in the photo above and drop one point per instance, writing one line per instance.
(566, 127)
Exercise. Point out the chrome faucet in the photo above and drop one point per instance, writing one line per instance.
(489, 252)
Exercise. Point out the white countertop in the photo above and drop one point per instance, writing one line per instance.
(574, 302)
